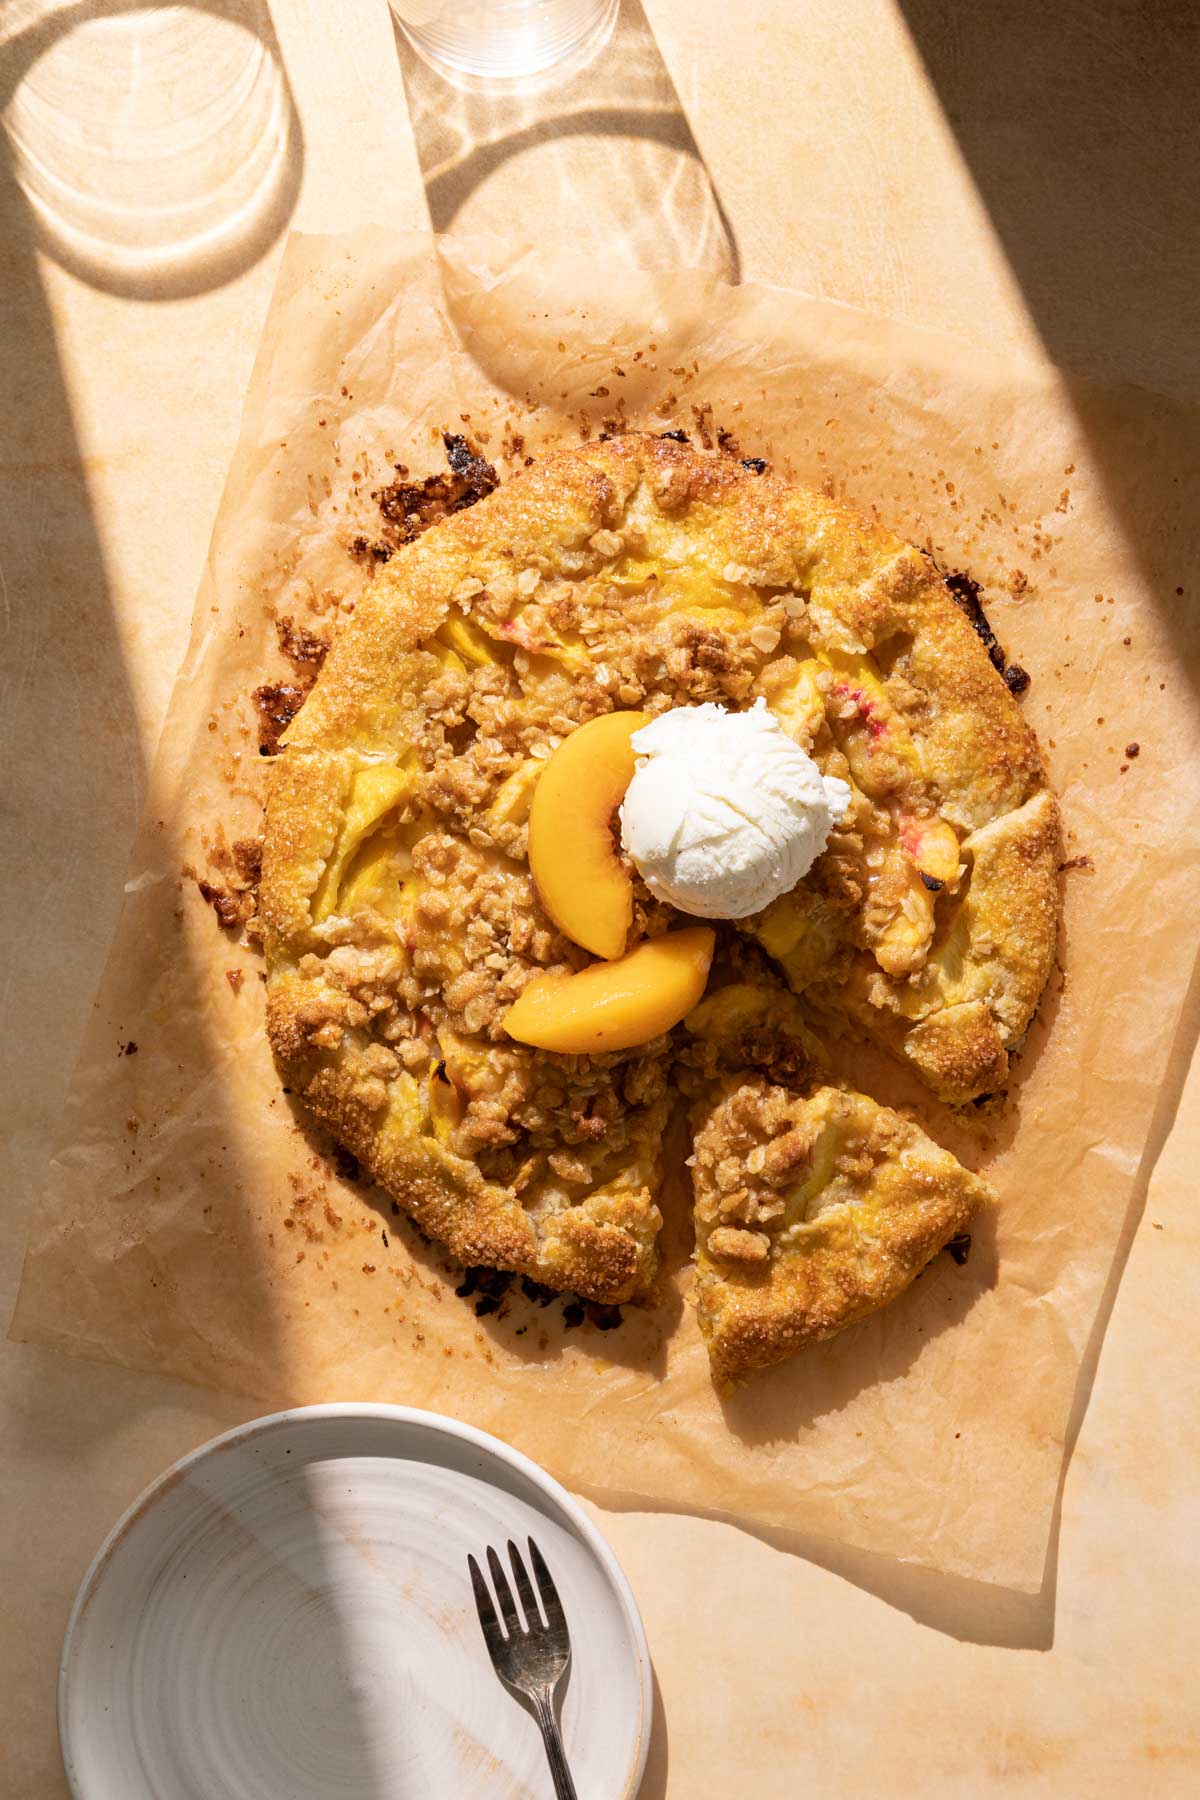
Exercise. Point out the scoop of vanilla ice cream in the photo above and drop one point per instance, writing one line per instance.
(724, 812)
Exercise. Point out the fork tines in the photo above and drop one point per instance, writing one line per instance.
(544, 1618)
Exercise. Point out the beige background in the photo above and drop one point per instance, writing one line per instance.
(1023, 180)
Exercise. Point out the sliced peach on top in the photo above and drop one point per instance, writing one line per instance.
(615, 1005)
(572, 850)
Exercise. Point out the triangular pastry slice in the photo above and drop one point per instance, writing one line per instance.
(811, 1211)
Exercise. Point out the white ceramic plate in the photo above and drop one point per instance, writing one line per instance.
(287, 1615)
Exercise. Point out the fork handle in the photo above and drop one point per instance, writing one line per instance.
(564, 1787)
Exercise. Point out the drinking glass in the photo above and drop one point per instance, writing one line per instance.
(506, 44)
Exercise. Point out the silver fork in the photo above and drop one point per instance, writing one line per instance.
(530, 1661)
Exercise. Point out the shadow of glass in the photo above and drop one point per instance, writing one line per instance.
(607, 160)
(158, 147)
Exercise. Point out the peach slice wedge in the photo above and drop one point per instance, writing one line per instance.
(615, 1005)
(933, 846)
(375, 791)
(572, 851)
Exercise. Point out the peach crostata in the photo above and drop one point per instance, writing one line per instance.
(615, 790)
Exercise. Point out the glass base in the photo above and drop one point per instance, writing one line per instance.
(533, 50)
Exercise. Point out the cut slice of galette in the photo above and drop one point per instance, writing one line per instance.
(811, 1210)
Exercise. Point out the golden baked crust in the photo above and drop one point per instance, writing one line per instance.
(811, 1212)
(399, 913)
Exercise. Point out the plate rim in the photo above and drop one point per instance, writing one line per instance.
(438, 1424)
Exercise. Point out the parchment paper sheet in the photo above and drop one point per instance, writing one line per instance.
(190, 1224)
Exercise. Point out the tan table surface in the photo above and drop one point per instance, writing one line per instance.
(1021, 179)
